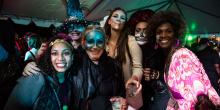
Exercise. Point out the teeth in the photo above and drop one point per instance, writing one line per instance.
(60, 65)
(164, 41)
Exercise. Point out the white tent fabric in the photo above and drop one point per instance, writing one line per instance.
(203, 13)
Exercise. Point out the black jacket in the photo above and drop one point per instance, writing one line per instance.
(91, 80)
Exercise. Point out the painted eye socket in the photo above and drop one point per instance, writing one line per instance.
(67, 53)
(90, 41)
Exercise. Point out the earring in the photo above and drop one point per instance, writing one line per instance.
(156, 46)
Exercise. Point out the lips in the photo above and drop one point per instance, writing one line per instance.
(60, 65)
(75, 35)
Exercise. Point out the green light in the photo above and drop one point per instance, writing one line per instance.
(193, 26)
(189, 38)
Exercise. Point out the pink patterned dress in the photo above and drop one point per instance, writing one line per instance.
(187, 79)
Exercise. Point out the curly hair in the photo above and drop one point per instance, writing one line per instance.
(161, 17)
(139, 16)
(44, 62)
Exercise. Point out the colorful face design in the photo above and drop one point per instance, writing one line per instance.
(165, 35)
(140, 33)
(117, 20)
(95, 39)
(95, 43)
(61, 57)
(75, 31)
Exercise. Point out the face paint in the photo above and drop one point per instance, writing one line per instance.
(141, 38)
(95, 39)
(118, 16)
(140, 31)
(75, 31)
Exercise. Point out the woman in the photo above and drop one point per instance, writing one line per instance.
(184, 74)
(125, 50)
(155, 94)
(50, 90)
(122, 47)
(99, 78)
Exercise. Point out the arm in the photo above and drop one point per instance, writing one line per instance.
(188, 79)
(31, 69)
(25, 93)
(136, 58)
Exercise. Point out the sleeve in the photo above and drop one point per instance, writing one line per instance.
(216, 58)
(187, 79)
(136, 57)
(25, 93)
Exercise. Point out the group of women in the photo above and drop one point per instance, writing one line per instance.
(99, 72)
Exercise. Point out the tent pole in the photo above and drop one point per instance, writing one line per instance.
(181, 12)
(163, 6)
(94, 6)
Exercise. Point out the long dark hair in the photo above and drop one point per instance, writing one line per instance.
(44, 62)
(122, 43)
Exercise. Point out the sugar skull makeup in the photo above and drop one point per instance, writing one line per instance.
(94, 39)
(140, 33)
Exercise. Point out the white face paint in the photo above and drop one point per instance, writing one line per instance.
(117, 20)
(140, 33)
(141, 38)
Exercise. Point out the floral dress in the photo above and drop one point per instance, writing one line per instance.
(187, 79)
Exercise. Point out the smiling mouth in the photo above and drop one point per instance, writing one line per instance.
(60, 65)
(164, 41)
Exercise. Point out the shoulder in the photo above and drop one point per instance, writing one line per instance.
(184, 53)
(35, 80)
(131, 38)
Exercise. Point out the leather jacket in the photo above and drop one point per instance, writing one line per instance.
(91, 80)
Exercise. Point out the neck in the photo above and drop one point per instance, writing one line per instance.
(61, 77)
(114, 36)
(167, 51)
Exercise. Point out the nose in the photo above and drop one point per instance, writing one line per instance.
(163, 34)
(95, 46)
(60, 57)
(142, 34)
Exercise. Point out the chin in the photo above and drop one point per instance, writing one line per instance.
(141, 42)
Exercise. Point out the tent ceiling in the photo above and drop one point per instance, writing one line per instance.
(205, 14)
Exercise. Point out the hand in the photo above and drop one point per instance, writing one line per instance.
(31, 69)
(146, 73)
(133, 87)
(122, 102)
(150, 74)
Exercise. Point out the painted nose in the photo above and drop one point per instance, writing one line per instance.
(60, 57)
(141, 34)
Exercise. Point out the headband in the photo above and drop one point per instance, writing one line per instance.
(60, 41)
